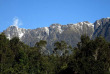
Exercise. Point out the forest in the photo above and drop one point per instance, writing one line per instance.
(88, 57)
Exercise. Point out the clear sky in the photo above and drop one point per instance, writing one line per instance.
(31, 14)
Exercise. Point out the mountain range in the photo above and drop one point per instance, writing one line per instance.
(69, 33)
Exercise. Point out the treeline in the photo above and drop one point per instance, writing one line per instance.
(89, 57)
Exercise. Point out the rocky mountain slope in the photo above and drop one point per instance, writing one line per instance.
(70, 33)
(102, 28)
(56, 32)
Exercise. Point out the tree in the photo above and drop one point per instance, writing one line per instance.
(62, 48)
(6, 55)
(91, 56)
(20, 63)
(41, 45)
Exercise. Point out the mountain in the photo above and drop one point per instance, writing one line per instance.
(69, 33)
(102, 28)
(56, 32)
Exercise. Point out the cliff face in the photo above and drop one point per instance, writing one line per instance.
(70, 33)
(102, 28)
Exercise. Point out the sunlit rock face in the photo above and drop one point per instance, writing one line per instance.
(69, 33)
(14, 31)
(56, 32)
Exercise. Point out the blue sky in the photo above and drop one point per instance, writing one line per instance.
(31, 14)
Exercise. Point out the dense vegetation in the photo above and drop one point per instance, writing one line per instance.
(89, 57)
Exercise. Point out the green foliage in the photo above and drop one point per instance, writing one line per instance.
(89, 57)
(41, 46)
(62, 48)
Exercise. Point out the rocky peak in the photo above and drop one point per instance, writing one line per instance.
(102, 28)
(56, 24)
(56, 32)
(101, 22)
(12, 28)
(14, 31)
(85, 23)
(58, 28)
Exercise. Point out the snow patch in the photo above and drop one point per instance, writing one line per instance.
(89, 24)
(46, 30)
(9, 37)
(21, 34)
(53, 26)
(98, 23)
(59, 29)
(78, 25)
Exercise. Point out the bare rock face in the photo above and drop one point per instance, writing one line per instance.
(69, 33)
(14, 31)
(56, 32)
(100, 22)
(102, 28)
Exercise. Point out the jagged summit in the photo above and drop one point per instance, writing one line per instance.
(56, 24)
(102, 28)
(70, 33)
(56, 32)
(85, 23)
(13, 26)
(101, 22)
(14, 31)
